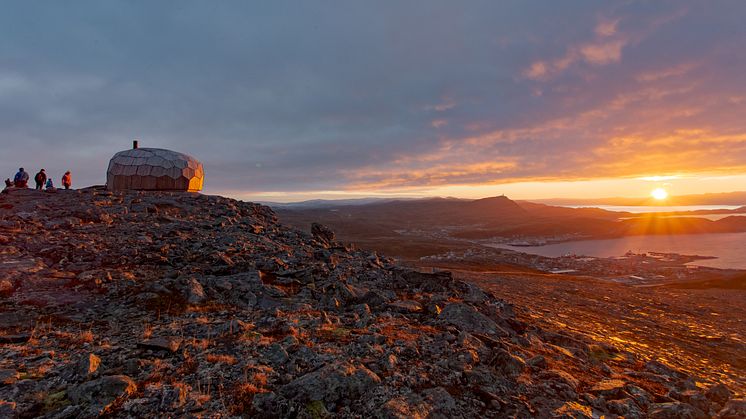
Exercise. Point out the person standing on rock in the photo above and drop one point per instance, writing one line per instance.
(40, 179)
(67, 180)
(21, 179)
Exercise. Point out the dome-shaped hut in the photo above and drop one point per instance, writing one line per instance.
(154, 169)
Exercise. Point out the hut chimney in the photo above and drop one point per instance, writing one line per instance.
(134, 144)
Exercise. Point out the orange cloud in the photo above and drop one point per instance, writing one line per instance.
(607, 27)
(602, 53)
(651, 129)
(665, 73)
(435, 175)
(605, 49)
(537, 70)
(439, 123)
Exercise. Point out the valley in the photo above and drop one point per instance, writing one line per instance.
(653, 304)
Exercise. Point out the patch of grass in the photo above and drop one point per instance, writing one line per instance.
(200, 344)
(333, 333)
(598, 354)
(147, 331)
(221, 359)
(242, 396)
(251, 336)
(86, 336)
(171, 304)
(54, 401)
(209, 307)
(317, 410)
(189, 366)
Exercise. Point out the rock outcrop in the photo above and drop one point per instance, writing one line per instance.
(140, 304)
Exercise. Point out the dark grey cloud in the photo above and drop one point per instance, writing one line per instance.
(319, 95)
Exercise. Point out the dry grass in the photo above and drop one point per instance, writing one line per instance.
(250, 337)
(210, 307)
(242, 396)
(331, 333)
(200, 344)
(189, 366)
(407, 332)
(221, 359)
(259, 379)
(86, 336)
(203, 394)
(159, 372)
(183, 390)
(147, 331)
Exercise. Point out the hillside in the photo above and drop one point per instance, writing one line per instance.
(419, 213)
(408, 227)
(159, 304)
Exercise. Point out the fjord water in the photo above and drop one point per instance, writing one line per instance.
(662, 208)
(729, 248)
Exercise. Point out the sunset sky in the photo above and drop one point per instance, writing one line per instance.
(290, 100)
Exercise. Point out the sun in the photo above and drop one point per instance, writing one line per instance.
(659, 194)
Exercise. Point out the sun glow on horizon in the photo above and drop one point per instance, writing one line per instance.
(659, 194)
(637, 188)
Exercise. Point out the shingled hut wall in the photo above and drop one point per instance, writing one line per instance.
(154, 169)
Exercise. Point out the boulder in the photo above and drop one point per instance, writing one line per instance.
(98, 395)
(8, 376)
(332, 383)
(276, 354)
(7, 409)
(694, 398)
(193, 291)
(625, 407)
(507, 363)
(375, 298)
(405, 306)
(610, 389)
(435, 403)
(88, 365)
(719, 393)
(161, 344)
(401, 408)
(573, 410)
(322, 233)
(558, 377)
(17, 338)
(674, 410)
(734, 409)
(467, 318)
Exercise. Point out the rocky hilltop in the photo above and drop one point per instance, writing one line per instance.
(167, 304)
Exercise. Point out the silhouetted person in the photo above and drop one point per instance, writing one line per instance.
(50, 184)
(8, 183)
(67, 180)
(21, 179)
(40, 179)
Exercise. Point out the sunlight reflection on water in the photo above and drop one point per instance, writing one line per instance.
(729, 248)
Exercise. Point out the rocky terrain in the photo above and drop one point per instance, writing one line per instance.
(170, 305)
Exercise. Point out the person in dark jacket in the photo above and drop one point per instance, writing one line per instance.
(67, 181)
(40, 179)
(21, 179)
